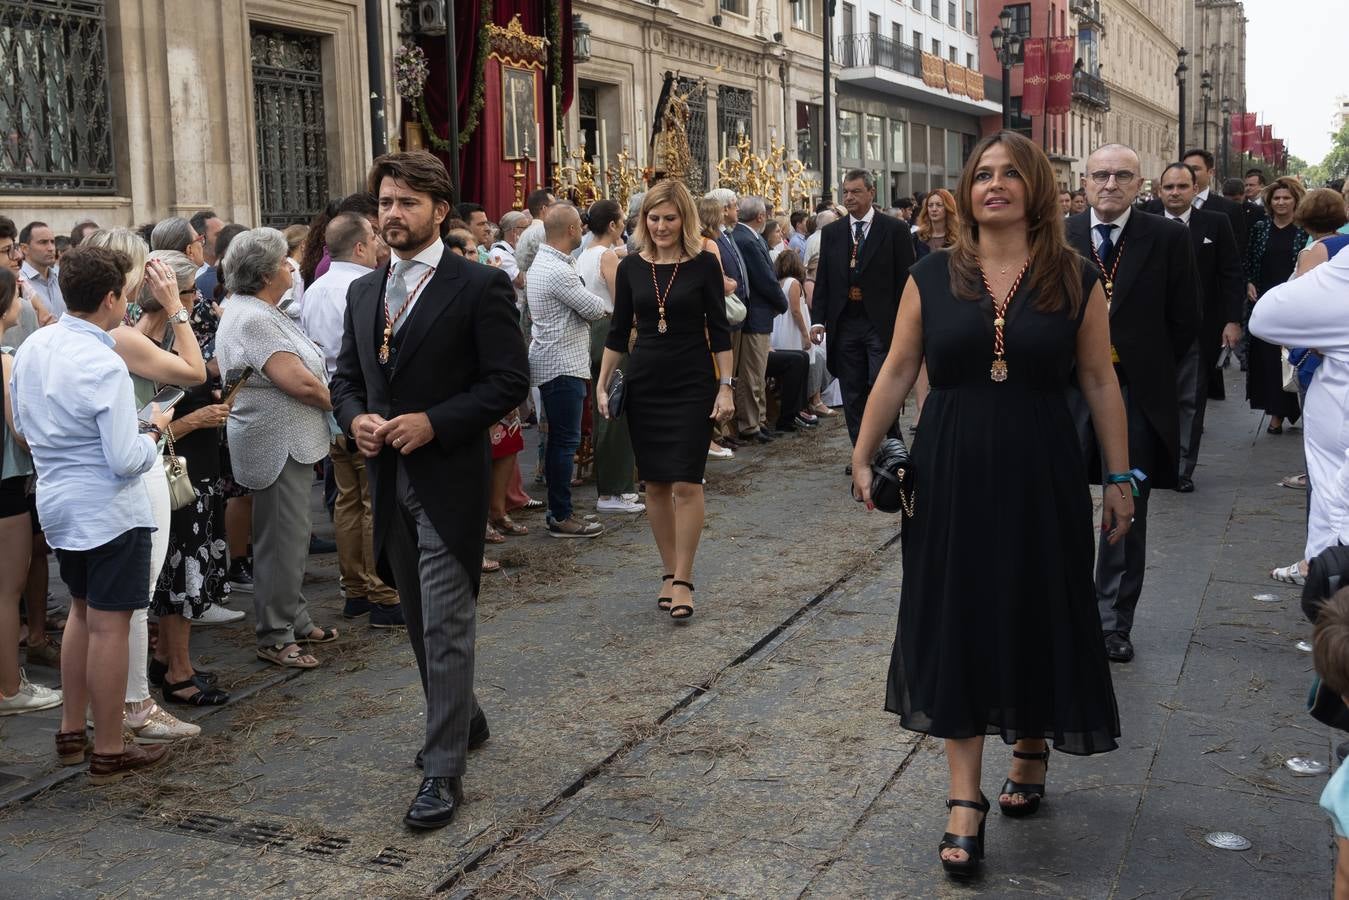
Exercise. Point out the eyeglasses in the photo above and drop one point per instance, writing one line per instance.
(1122, 177)
(199, 239)
(13, 251)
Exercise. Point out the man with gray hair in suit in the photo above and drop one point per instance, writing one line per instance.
(764, 302)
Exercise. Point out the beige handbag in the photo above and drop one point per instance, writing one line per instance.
(181, 492)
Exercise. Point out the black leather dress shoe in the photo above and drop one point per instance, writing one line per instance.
(1118, 647)
(763, 436)
(1185, 485)
(847, 470)
(478, 733)
(435, 803)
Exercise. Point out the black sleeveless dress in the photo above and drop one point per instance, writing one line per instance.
(998, 630)
(670, 379)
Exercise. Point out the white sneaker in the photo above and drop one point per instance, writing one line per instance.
(29, 698)
(157, 726)
(619, 504)
(635, 498)
(215, 615)
(720, 453)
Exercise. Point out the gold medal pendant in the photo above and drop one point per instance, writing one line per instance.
(1109, 286)
(998, 371)
(661, 327)
(384, 355)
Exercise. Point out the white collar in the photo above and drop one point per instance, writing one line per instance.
(430, 256)
(1118, 223)
(1184, 217)
(866, 220)
(346, 265)
(1202, 196)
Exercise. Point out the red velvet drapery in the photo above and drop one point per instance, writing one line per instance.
(476, 171)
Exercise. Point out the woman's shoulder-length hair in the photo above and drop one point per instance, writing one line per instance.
(670, 190)
(1055, 267)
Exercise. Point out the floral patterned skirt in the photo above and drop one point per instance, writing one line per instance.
(196, 570)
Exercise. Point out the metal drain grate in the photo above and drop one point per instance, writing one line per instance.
(392, 858)
(204, 824)
(262, 834)
(327, 846)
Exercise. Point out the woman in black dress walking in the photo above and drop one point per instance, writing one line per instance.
(1271, 257)
(675, 385)
(998, 630)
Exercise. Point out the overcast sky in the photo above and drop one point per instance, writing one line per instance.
(1294, 68)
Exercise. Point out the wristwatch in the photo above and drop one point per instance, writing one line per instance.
(179, 317)
(729, 381)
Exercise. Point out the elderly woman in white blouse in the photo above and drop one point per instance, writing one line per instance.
(1313, 311)
(278, 428)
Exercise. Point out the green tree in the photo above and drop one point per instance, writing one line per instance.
(1336, 163)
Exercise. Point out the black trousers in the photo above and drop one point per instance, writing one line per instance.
(1192, 390)
(790, 369)
(858, 352)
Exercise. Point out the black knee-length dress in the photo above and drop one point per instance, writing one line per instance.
(998, 630)
(670, 378)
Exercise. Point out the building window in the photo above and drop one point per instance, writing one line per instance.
(808, 134)
(1021, 19)
(849, 20)
(951, 53)
(55, 109)
(969, 60)
(873, 24)
(918, 4)
(739, 7)
(849, 134)
(735, 117)
(936, 47)
(918, 143)
(918, 41)
(897, 33)
(951, 14)
(696, 93)
(289, 121)
(875, 139)
(936, 9)
(897, 144)
(803, 16)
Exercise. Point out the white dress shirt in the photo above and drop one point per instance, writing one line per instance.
(561, 309)
(866, 224)
(1183, 218)
(74, 404)
(1200, 199)
(429, 258)
(325, 307)
(1116, 230)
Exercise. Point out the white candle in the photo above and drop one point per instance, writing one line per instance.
(604, 157)
(557, 130)
(538, 151)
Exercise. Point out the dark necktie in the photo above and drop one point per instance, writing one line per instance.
(857, 236)
(1107, 248)
(1180, 220)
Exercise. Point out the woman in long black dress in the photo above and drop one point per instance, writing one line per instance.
(998, 630)
(672, 289)
(1271, 256)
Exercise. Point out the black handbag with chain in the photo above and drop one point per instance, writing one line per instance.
(618, 392)
(892, 486)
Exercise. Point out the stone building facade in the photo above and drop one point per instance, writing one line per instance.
(1139, 41)
(127, 111)
(1215, 35)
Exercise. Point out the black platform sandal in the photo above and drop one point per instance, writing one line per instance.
(1033, 793)
(158, 670)
(681, 611)
(664, 602)
(205, 695)
(972, 845)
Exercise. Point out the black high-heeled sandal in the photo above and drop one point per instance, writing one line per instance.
(973, 845)
(681, 612)
(663, 602)
(1033, 793)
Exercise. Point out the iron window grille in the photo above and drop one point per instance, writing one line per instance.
(291, 131)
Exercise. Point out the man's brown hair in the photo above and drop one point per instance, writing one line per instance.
(1330, 643)
(420, 171)
(89, 273)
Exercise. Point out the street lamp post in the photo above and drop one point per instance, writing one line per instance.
(1007, 47)
(1206, 86)
(827, 110)
(1181, 69)
(1226, 124)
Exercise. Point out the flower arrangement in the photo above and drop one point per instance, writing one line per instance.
(409, 72)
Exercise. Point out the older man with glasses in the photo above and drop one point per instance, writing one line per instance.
(1148, 272)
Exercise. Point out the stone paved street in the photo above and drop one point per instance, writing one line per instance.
(746, 754)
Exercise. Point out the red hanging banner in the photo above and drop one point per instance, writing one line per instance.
(1034, 77)
(1249, 134)
(1062, 52)
(1265, 142)
(1237, 134)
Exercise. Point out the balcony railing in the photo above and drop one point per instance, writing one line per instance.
(878, 50)
(1090, 10)
(860, 50)
(1091, 89)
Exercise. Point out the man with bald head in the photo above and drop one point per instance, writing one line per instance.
(1148, 272)
(561, 309)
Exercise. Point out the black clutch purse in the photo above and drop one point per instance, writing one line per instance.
(892, 486)
(618, 393)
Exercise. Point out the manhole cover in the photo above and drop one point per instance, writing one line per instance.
(1226, 840)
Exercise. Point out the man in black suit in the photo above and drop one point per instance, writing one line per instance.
(1222, 298)
(1207, 197)
(765, 302)
(1235, 192)
(864, 262)
(431, 356)
(1148, 273)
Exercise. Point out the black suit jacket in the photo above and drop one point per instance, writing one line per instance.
(765, 301)
(882, 269)
(1216, 203)
(1222, 284)
(464, 363)
(1154, 317)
